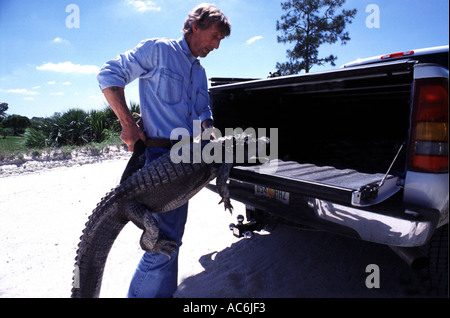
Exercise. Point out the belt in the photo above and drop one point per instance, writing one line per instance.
(158, 143)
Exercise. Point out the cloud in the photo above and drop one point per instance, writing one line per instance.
(66, 83)
(60, 40)
(28, 98)
(51, 83)
(253, 39)
(22, 91)
(143, 6)
(69, 67)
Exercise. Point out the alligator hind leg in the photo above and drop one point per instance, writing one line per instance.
(151, 240)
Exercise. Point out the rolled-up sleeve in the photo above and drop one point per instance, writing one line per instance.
(207, 114)
(127, 67)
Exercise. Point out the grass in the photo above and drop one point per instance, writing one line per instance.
(13, 147)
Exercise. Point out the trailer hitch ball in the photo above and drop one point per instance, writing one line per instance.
(244, 230)
(240, 222)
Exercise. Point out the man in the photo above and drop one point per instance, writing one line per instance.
(173, 93)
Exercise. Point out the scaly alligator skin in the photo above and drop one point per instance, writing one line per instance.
(158, 187)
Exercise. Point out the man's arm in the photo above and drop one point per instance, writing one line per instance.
(131, 132)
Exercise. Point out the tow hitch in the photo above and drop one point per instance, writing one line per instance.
(245, 230)
(257, 221)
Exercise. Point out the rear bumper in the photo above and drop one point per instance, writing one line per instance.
(389, 223)
(380, 227)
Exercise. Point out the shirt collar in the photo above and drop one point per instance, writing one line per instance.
(186, 49)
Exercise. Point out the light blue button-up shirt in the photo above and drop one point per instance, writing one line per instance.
(173, 87)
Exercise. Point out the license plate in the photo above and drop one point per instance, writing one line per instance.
(275, 194)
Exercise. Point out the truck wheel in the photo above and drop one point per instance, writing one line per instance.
(437, 252)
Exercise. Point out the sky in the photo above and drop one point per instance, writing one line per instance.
(51, 50)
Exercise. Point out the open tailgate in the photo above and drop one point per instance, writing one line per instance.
(344, 186)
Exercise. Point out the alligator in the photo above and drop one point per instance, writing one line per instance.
(158, 187)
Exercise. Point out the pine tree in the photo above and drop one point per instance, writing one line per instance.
(309, 24)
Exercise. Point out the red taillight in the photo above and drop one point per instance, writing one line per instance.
(429, 130)
(398, 54)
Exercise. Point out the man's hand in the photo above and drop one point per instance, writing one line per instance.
(131, 132)
(208, 124)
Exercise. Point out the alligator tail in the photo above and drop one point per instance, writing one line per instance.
(101, 230)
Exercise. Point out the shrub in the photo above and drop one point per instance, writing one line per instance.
(36, 139)
(76, 127)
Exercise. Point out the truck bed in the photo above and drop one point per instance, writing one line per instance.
(353, 118)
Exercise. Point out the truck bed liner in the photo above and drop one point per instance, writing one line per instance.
(324, 182)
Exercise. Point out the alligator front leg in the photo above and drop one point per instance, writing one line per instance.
(222, 186)
(151, 240)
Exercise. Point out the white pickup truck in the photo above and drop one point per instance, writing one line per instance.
(362, 151)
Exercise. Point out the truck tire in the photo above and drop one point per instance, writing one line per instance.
(437, 252)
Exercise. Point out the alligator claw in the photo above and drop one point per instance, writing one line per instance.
(164, 246)
(227, 205)
(150, 240)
